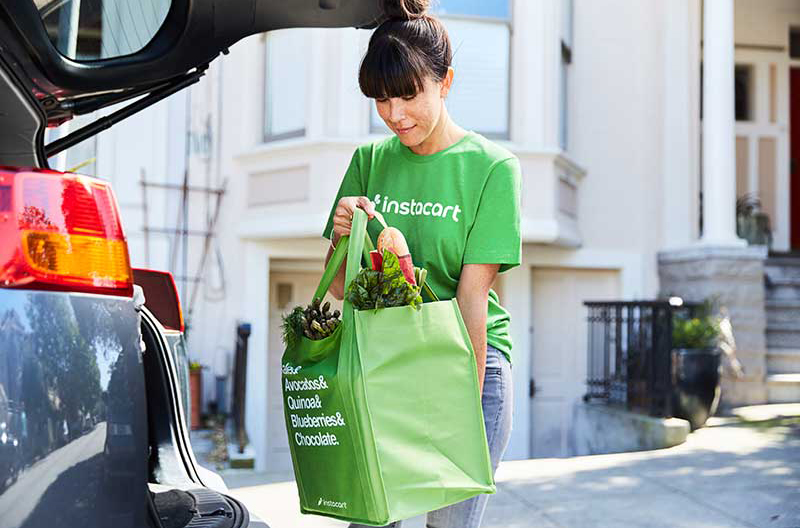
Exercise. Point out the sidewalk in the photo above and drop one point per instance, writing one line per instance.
(737, 472)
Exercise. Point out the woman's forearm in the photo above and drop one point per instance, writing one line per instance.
(473, 302)
(473, 308)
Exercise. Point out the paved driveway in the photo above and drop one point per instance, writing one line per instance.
(733, 473)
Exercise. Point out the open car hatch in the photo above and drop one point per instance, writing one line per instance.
(72, 57)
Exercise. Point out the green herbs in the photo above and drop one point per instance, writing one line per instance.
(369, 290)
(292, 326)
(383, 289)
(314, 321)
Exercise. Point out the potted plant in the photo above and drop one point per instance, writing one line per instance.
(695, 364)
(752, 224)
(196, 393)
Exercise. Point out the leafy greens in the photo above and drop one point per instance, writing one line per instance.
(372, 289)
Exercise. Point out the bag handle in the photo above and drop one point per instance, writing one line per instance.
(334, 263)
(429, 292)
(358, 244)
(332, 268)
(342, 250)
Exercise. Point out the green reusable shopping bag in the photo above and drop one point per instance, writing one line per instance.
(384, 416)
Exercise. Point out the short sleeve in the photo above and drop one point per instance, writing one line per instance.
(351, 185)
(495, 235)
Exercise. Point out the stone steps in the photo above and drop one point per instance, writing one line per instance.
(783, 312)
(782, 289)
(783, 388)
(783, 360)
(782, 278)
(782, 267)
(783, 336)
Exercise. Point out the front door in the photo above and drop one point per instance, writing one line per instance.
(559, 355)
(794, 155)
(286, 290)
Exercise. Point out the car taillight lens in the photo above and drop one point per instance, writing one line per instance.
(160, 296)
(61, 231)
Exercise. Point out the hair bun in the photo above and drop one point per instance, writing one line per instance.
(406, 9)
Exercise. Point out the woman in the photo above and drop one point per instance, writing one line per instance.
(453, 194)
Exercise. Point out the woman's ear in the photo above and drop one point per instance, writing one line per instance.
(447, 82)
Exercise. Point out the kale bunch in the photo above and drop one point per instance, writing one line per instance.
(373, 289)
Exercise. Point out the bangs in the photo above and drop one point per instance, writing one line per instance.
(391, 69)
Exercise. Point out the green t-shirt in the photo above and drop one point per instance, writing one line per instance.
(458, 206)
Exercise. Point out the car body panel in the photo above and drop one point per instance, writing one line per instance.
(73, 396)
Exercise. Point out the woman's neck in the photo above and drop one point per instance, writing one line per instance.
(445, 134)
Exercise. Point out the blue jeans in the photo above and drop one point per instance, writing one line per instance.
(496, 401)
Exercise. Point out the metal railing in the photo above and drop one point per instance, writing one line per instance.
(630, 354)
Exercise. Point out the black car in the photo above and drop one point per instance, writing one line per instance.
(93, 429)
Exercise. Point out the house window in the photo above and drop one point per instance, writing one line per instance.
(794, 42)
(480, 34)
(285, 83)
(743, 93)
(566, 60)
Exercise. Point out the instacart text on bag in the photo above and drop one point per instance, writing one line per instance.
(331, 504)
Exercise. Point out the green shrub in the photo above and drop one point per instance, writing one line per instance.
(696, 332)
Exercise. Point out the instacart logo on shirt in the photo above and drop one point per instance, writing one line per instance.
(385, 204)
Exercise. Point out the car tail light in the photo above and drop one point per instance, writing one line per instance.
(161, 296)
(61, 231)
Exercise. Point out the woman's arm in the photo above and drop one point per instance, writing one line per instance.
(342, 221)
(473, 301)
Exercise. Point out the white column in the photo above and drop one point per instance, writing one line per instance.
(255, 310)
(719, 161)
(678, 209)
(535, 63)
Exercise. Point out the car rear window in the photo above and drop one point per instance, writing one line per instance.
(101, 29)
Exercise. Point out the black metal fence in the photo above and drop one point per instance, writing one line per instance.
(630, 354)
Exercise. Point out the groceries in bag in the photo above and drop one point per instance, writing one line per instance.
(389, 287)
(313, 321)
(362, 450)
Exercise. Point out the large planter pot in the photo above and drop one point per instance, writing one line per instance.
(754, 228)
(696, 380)
(196, 394)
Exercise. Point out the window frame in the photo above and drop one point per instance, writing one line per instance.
(567, 41)
(266, 115)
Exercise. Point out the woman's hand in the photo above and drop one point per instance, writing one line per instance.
(342, 222)
(343, 215)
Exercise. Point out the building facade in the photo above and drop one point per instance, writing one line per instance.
(624, 156)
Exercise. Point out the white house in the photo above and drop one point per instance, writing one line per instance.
(600, 100)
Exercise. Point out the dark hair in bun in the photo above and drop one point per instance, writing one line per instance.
(405, 49)
(405, 9)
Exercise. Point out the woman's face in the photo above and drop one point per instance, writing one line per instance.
(414, 118)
